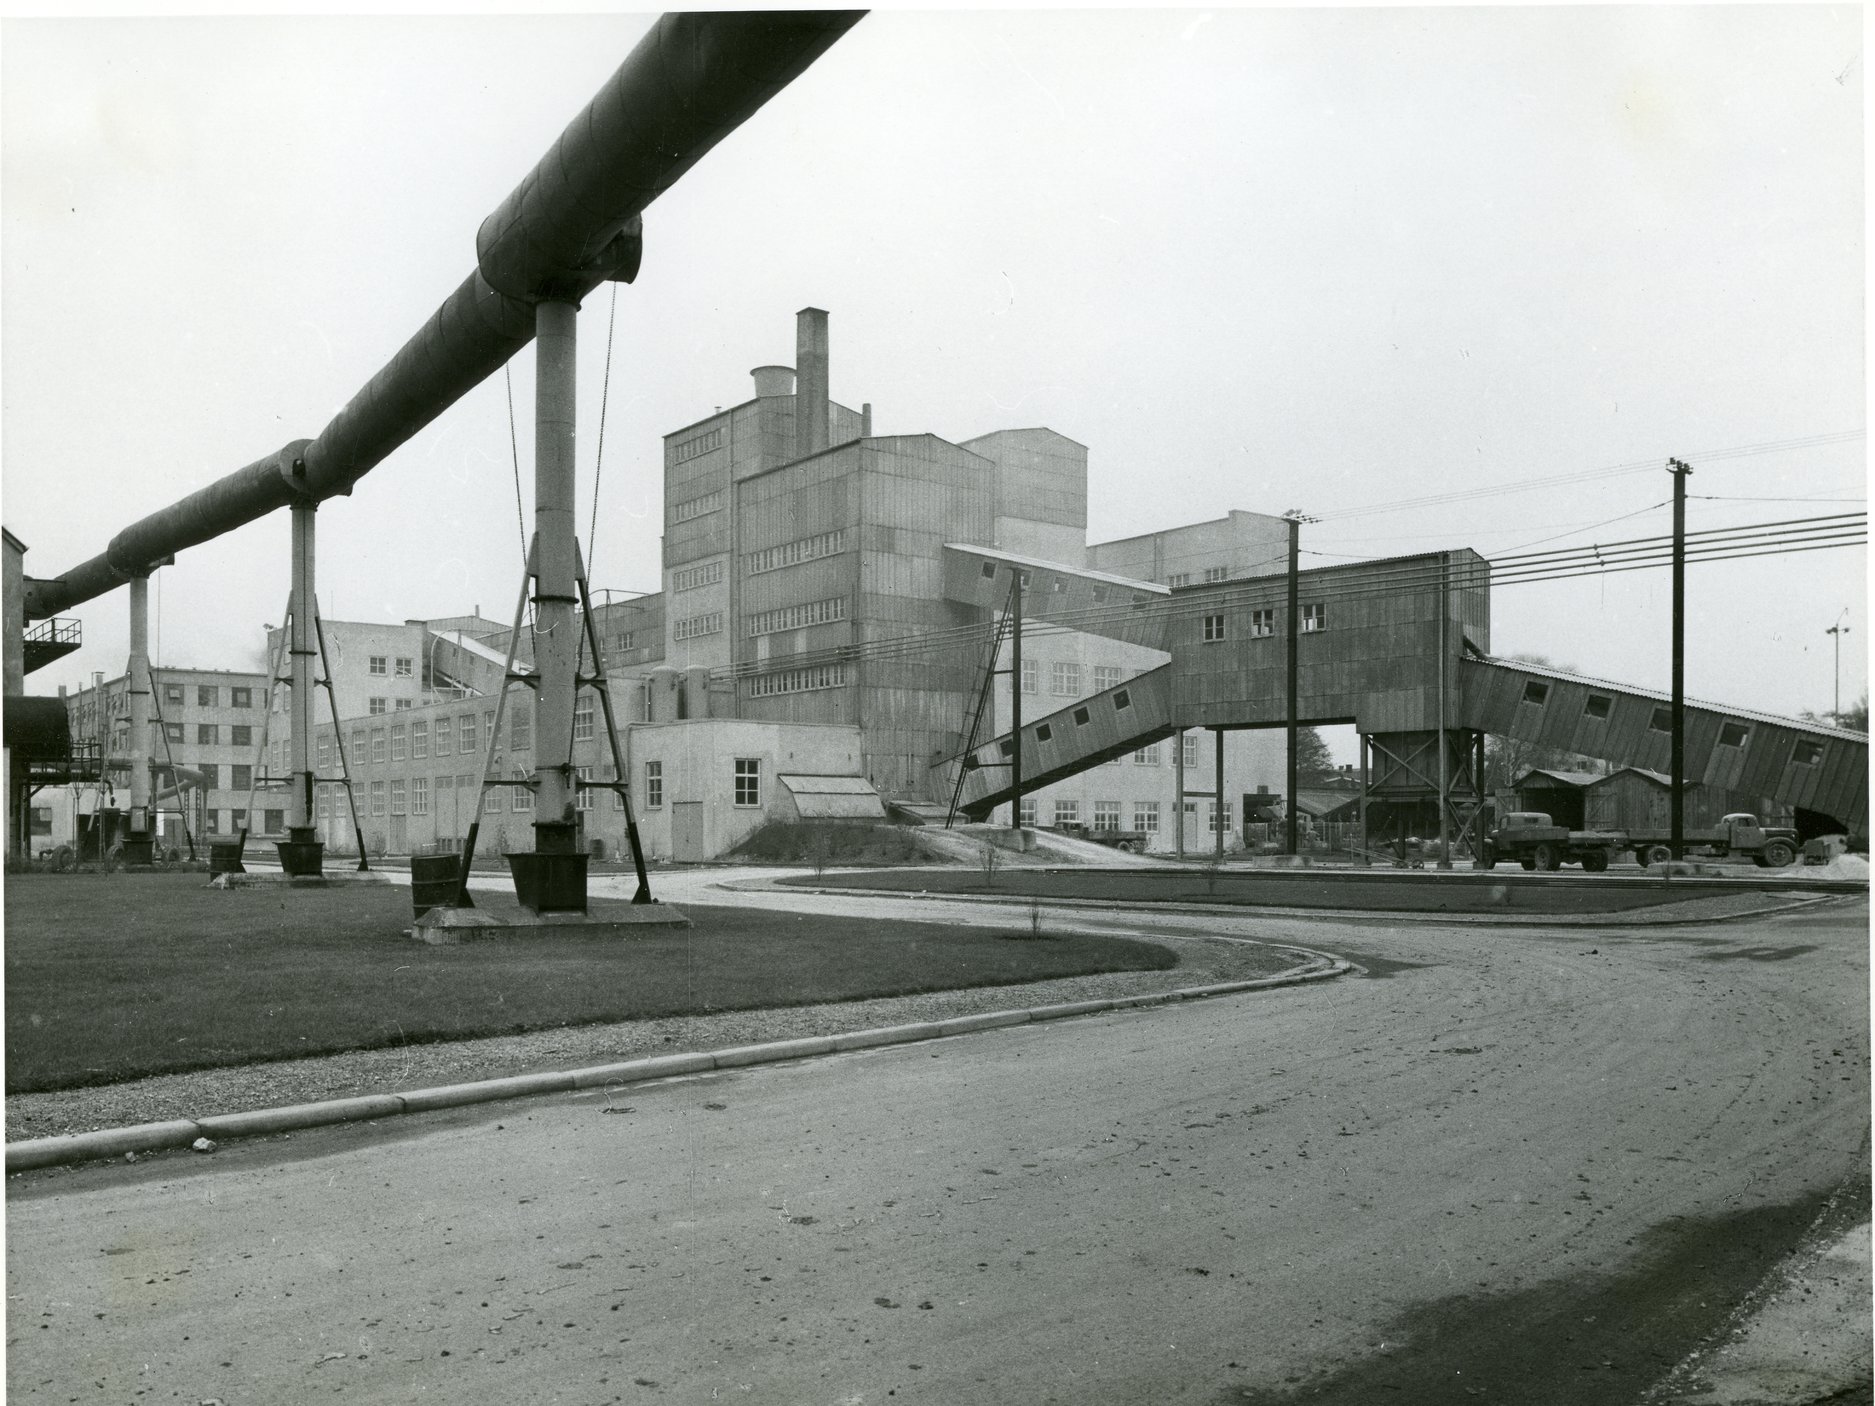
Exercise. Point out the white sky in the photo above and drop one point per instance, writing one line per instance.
(1253, 259)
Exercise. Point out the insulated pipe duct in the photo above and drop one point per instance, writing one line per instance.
(569, 226)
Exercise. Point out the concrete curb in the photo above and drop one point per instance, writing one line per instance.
(1615, 918)
(155, 1137)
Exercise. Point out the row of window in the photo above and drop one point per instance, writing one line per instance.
(699, 506)
(797, 680)
(1314, 619)
(1212, 574)
(395, 797)
(1599, 707)
(698, 626)
(795, 617)
(697, 445)
(691, 577)
(377, 706)
(1064, 677)
(822, 544)
(208, 695)
(1107, 814)
(209, 734)
(379, 665)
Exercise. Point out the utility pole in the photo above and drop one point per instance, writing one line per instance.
(1015, 703)
(1295, 518)
(1677, 800)
(1838, 630)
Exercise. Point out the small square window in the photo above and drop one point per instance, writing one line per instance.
(1314, 619)
(1598, 707)
(241, 698)
(1262, 623)
(403, 667)
(1661, 721)
(378, 664)
(1807, 753)
(1007, 747)
(1044, 733)
(1080, 717)
(1123, 699)
(989, 570)
(207, 696)
(1537, 693)
(1733, 734)
(1213, 628)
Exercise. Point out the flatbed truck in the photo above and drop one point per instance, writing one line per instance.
(1537, 843)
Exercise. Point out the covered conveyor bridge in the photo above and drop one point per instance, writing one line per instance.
(1096, 602)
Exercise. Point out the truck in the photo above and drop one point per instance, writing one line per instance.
(1535, 842)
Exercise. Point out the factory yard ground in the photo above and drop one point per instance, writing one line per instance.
(1517, 1165)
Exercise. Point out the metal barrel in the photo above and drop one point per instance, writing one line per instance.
(432, 881)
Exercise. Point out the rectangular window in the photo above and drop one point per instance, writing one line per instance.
(399, 742)
(1025, 813)
(1733, 734)
(521, 723)
(700, 506)
(1067, 812)
(623, 641)
(323, 753)
(1220, 818)
(1178, 578)
(798, 680)
(1598, 707)
(1807, 753)
(1190, 741)
(796, 617)
(1534, 692)
(237, 820)
(207, 696)
(172, 693)
(397, 797)
(1106, 676)
(378, 754)
(1146, 817)
(377, 798)
(748, 781)
(1661, 721)
(582, 717)
(1213, 628)
(419, 795)
(1044, 732)
(240, 698)
(691, 578)
(698, 626)
(522, 799)
(1106, 815)
(442, 737)
(273, 822)
(465, 732)
(654, 785)
(419, 741)
(401, 705)
(173, 732)
(1031, 676)
(404, 665)
(379, 665)
(1147, 756)
(584, 798)
(1215, 573)
(1064, 679)
(491, 799)
(359, 753)
(241, 734)
(379, 705)
(208, 734)
(1081, 716)
(824, 544)
(1122, 700)
(1262, 623)
(1314, 618)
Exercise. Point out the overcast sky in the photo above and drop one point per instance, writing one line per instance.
(1267, 259)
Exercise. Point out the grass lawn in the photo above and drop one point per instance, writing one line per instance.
(116, 976)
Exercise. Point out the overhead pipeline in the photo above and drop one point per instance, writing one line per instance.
(572, 224)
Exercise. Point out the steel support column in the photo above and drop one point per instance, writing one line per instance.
(301, 852)
(1015, 700)
(1217, 810)
(138, 840)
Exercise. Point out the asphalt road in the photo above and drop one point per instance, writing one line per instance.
(1516, 1166)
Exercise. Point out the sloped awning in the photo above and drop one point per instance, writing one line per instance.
(834, 797)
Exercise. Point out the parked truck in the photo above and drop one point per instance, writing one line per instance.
(1535, 842)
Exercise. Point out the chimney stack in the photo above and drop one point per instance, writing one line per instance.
(810, 396)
